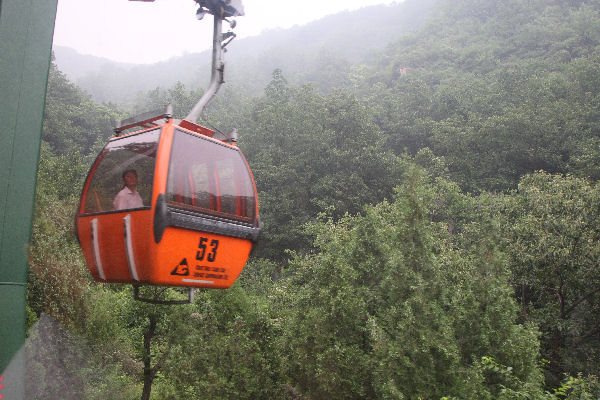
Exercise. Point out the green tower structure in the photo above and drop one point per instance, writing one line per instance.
(26, 29)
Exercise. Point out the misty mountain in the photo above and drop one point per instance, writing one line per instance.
(76, 65)
(314, 52)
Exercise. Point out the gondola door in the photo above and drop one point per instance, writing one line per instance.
(113, 232)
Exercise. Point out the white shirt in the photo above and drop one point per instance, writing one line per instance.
(128, 198)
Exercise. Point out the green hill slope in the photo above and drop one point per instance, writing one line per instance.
(498, 88)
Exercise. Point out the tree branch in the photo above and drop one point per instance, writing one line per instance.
(581, 299)
(595, 329)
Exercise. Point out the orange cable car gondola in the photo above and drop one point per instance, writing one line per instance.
(169, 204)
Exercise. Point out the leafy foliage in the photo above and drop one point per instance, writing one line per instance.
(387, 309)
(497, 88)
(553, 241)
(410, 248)
(72, 121)
(312, 153)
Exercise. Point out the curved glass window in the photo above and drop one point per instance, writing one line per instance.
(123, 174)
(209, 178)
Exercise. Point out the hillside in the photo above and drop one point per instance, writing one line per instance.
(336, 41)
(430, 224)
(499, 89)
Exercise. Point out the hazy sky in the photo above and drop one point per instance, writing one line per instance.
(139, 32)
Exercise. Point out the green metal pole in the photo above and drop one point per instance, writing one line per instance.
(26, 29)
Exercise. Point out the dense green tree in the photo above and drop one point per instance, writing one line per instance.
(312, 153)
(387, 307)
(72, 121)
(401, 298)
(497, 88)
(58, 282)
(552, 238)
(178, 96)
(230, 351)
(225, 112)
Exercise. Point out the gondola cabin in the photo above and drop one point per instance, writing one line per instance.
(168, 205)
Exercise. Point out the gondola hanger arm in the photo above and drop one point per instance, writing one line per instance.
(221, 10)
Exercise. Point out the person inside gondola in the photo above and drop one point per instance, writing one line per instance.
(128, 197)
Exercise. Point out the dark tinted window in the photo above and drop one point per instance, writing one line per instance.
(135, 152)
(210, 178)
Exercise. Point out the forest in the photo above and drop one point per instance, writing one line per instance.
(431, 227)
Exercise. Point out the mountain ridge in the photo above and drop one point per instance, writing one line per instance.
(349, 35)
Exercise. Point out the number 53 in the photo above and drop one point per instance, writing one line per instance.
(202, 249)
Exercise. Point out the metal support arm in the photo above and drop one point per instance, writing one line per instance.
(217, 72)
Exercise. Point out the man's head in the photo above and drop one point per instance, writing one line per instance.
(130, 178)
